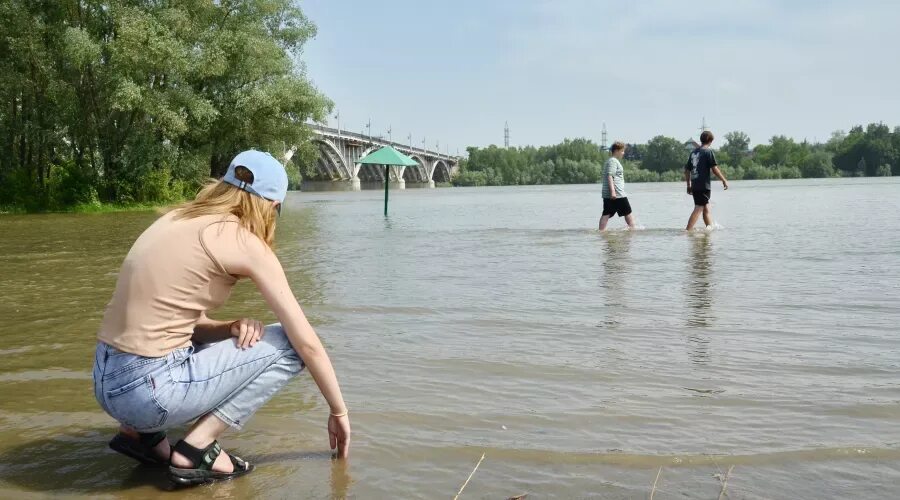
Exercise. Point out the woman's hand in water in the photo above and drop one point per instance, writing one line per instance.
(247, 331)
(339, 434)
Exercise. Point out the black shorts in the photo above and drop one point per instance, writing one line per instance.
(701, 197)
(618, 206)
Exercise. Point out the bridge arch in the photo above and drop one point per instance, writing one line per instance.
(369, 172)
(324, 169)
(419, 173)
(441, 172)
(333, 159)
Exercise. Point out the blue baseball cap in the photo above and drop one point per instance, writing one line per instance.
(270, 180)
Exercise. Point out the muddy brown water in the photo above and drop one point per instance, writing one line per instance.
(497, 321)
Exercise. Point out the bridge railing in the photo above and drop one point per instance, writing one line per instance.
(367, 139)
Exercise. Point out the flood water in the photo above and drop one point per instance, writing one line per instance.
(498, 321)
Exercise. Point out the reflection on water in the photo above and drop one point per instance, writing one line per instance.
(699, 294)
(616, 266)
(699, 281)
(340, 479)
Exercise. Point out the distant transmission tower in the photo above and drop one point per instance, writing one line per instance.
(703, 127)
(603, 138)
(506, 135)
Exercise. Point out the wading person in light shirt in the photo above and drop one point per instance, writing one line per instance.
(615, 200)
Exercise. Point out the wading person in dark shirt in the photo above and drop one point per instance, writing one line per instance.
(697, 175)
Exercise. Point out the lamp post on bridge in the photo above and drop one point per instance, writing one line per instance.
(338, 117)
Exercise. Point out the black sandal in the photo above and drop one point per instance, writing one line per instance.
(203, 461)
(140, 449)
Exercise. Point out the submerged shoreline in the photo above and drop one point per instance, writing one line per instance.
(87, 208)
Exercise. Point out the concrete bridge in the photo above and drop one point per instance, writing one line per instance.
(337, 170)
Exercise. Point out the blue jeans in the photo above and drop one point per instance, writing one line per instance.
(152, 394)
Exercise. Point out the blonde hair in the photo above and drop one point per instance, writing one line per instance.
(255, 214)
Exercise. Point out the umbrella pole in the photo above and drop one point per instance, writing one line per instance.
(386, 181)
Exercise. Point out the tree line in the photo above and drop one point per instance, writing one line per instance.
(870, 151)
(140, 101)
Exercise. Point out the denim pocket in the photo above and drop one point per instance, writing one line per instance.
(135, 405)
(122, 363)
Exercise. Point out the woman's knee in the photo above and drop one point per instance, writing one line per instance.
(280, 341)
(274, 334)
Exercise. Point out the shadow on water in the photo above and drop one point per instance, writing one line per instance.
(699, 296)
(82, 463)
(76, 463)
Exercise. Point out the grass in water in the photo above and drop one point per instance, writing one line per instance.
(653, 490)
(470, 478)
(723, 481)
(90, 208)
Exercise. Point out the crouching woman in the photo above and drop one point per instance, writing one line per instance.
(161, 362)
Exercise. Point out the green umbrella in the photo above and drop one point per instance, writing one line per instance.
(387, 156)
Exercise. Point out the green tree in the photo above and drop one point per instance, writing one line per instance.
(754, 171)
(635, 152)
(862, 152)
(140, 100)
(572, 161)
(834, 143)
(572, 149)
(780, 151)
(580, 160)
(633, 173)
(723, 158)
(664, 153)
(817, 164)
(787, 172)
(737, 146)
(849, 151)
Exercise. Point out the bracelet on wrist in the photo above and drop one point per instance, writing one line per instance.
(344, 414)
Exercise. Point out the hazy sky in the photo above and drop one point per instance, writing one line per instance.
(454, 71)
